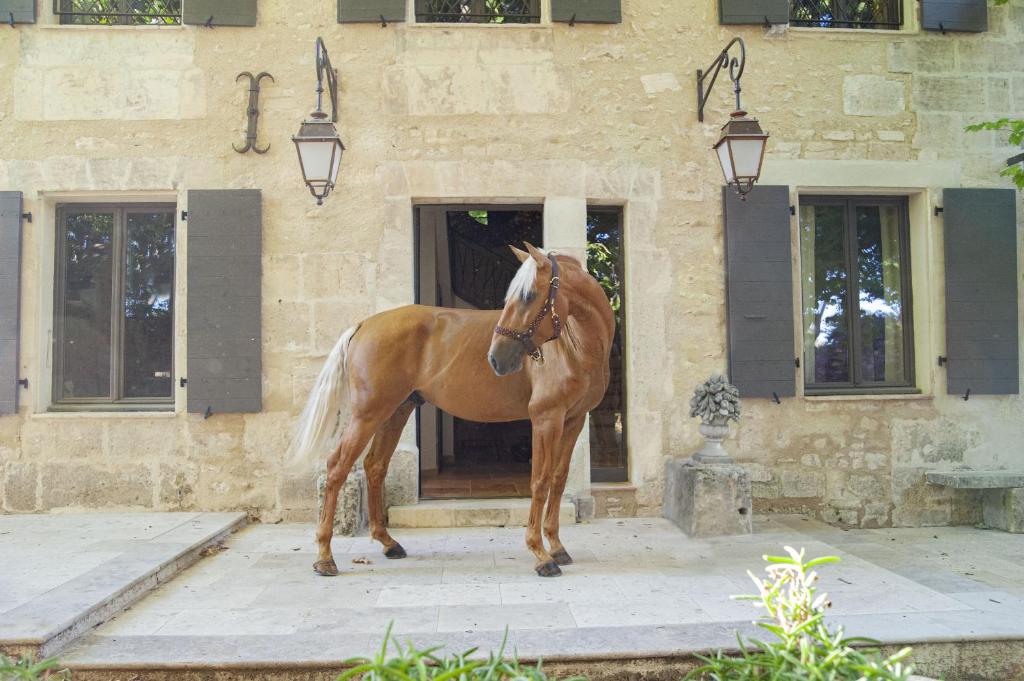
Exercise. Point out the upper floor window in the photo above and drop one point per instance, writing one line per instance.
(855, 294)
(119, 12)
(478, 11)
(882, 14)
(114, 305)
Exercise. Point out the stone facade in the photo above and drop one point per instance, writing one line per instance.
(546, 114)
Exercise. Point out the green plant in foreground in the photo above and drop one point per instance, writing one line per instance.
(806, 648)
(26, 669)
(411, 664)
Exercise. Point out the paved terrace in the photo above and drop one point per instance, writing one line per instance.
(640, 590)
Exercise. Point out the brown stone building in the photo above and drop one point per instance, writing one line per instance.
(165, 310)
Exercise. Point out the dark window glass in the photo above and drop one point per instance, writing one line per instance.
(114, 304)
(878, 14)
(605, 260)
(86, 315)
(478, 11)
(855, 293)
(119, 12)
(148, 304)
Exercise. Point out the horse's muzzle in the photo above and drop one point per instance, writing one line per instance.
(505, 363)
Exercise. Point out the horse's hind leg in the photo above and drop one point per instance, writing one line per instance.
(570, 434)
(376, 467)
(339, 464)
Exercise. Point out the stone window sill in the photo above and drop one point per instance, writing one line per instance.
(877, 397)
(112, 414)
(98, 27)
(812, 32)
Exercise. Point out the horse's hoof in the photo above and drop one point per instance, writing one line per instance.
(548, 569)
(326, 568)
(395, 552)
(562, 557)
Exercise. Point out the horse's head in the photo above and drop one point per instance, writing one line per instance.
(533, 312)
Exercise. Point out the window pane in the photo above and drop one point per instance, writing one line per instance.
(608, 420)
(85, 347)
(148, 304)
(825, 291)
(880, 322)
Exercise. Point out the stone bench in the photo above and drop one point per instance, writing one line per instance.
(1002, 497)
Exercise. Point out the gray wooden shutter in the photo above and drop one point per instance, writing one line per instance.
(759, 292)
(587, 11)
(981, 291)
(224, 12)
(10, 298)
(954, 15)
(753, 11)
(20, 11)
(224, 325)
(370, 11)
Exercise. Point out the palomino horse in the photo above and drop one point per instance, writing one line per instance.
(396, 359)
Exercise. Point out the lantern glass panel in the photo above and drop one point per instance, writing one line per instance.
(317, 162)
(726, 161)
(746, 155)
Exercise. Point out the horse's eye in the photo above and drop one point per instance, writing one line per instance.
(530, 297)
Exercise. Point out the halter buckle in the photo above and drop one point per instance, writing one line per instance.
(537, 356)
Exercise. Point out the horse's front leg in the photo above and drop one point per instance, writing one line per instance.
(547, 436)
(570, 433)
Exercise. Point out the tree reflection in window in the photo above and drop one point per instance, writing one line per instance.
(865, 238)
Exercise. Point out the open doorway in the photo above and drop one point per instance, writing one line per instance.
(463, 261)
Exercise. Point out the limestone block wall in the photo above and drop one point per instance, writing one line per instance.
(546, 114)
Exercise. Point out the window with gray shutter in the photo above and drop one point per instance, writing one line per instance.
(18, 11)
(220, 12)
(954, 15)
(759, 292)
(370, 11)
(10, 298)
(981, 291)
(224, 314)
(587, 11)
(753, 11)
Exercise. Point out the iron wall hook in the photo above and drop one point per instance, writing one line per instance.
(775, 398)
(736, 66)
(253, 112)
(11, 15)
(383, 22)
(209, 22)
(967, 395)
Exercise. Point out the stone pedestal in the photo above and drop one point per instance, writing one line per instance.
(1003, 509)
(707, 500)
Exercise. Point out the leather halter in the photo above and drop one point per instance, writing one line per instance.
(525, 338)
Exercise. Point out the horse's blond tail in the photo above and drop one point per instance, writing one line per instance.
(319, 423)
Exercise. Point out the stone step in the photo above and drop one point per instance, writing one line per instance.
(88, 568)
(470, 513)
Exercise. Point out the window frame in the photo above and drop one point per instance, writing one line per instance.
(416, 5)
(900, 25)
(857, 386)
(116, 400)
(617, 474)
(65, 17)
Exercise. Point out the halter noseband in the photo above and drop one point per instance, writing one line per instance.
(526, 337)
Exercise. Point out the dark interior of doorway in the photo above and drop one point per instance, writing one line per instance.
(484, 459)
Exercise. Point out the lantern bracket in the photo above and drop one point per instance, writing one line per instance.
(736, 65)
(324, 70)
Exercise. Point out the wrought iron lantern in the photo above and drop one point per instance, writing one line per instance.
(740, 149)
(318, 145)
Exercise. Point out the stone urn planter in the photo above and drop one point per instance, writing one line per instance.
(715, 402)
(707, 495)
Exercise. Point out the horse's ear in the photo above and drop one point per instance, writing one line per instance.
(536, 253)
(523, 256)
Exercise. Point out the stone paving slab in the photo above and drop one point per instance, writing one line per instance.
(63, 574)
(639, 589)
